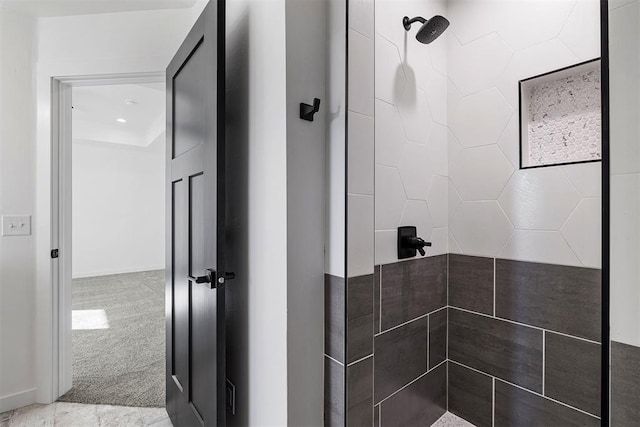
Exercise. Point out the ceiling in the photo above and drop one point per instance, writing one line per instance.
(96, 110)
(47, 8)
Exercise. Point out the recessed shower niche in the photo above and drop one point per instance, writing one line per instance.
(560, 117)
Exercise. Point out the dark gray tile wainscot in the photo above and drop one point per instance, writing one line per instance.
(400, 357)
(359, 317)
(471, 283)
(560, 298)
(334, 316)
(376, 299)
(625, 384)
(334, 396)
(572, 372)
(517, 407)
(470, 395)
(419, 404)
(437, 338)
(499, 348)
(413, 288)
(360, 393)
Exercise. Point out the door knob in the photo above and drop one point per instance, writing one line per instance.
(209, 277)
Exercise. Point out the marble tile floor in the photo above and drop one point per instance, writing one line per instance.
(451, 420)
(65, 414)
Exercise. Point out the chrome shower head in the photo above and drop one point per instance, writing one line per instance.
(431, 29)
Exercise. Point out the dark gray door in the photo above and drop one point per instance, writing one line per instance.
(195, 290)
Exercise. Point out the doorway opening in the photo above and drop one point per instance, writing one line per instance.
(112, 236)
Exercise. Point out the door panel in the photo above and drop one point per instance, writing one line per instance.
(195, 218)
(189, 103)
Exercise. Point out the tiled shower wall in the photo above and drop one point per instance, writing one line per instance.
(494, 341)
(524, 342)
(445, 156)
(549, 215)
(410, 129)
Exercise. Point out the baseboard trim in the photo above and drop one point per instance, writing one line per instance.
(118, 271)
(18, 400)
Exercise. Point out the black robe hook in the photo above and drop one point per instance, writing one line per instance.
(307, 111)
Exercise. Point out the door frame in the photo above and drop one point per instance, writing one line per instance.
(61, 212)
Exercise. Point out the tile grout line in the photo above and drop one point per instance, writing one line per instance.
(525, 325)
(526, 389)
(428, 340)
(447, 384)
(494, 287)
(337, 361)
(410, 321)
(412, 381)
(359, 360)
(544, 341)
(380, 303)
(493, 401)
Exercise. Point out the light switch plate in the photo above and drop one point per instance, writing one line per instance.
(16, 225)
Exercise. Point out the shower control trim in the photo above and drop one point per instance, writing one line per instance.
(409, 244)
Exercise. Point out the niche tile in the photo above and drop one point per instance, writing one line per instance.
(561, 116)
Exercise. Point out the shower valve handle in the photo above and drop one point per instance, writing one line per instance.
(417, 243)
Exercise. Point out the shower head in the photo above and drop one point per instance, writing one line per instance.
(430, 30)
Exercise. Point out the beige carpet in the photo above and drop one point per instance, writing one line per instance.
(122, 363)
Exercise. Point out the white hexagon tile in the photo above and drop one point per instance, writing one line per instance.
(390, 80)
(390, 198)
(541, 58)
(481, 118)
(439, 241)
(539, 246)
(437, 200)
(414, 171)
(416, 213)
(528, 23)
(453, 200)
(586, 177)
(389, 134)
(438, 149)
(509, 141)
(480, 173)
(539, 199)
(435, 86)
(415, 114)
(583, 232)
(477, 65)
(581, 32)
(481, 228)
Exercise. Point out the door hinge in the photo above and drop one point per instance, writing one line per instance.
(54, 253)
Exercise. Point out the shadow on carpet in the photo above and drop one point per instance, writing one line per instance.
(120, 361)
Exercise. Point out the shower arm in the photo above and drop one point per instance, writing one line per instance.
(407, 22)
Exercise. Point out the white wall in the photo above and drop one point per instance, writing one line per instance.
(85, 45)
(118, 207)
(257, 211)
(17, 195)
(547, 215)
(624, 41)
(306, 48)
(410, 129)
